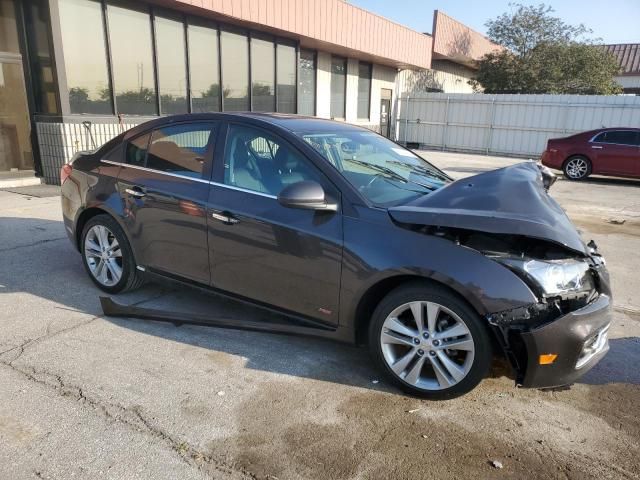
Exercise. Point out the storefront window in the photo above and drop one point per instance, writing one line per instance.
(338, 86)
(262, 75)
(132, 54)
(235, 71)
(205, 72)
(43, 77)
(8, 27)
(286, 79)
(172, 68)
(307, 83)
(364, 90)
(85, 56)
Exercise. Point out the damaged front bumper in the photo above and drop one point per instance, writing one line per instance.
(579, 339)
(552, 350)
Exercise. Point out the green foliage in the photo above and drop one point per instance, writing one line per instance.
(544, 55)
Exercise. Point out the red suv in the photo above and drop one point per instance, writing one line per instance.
(608, 151)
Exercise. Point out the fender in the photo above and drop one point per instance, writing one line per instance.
(488, 286)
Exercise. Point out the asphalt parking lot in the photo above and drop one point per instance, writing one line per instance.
(85, 396)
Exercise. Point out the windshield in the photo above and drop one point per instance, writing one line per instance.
(384, 172)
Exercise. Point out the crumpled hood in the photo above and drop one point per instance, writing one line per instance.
(509, 200)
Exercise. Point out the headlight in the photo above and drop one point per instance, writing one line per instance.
(554, 277)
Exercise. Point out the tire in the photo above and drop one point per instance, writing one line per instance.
(120, 260)
(577, 167)
(459, 370)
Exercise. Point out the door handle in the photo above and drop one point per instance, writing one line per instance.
(596, 147)
(135, 192)
(225, 218)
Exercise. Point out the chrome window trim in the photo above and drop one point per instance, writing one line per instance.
(245, 190)
(217, 184)
(153, 170)
(592, 140)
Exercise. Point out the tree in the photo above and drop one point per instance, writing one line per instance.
(543, 54)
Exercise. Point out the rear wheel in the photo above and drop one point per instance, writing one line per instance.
(429, 342)
(107, 256)
(577, 168)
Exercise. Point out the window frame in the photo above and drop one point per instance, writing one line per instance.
(216, 127)
(171, 16)
(218, 174)
(604, 134)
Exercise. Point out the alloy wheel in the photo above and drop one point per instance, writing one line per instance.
(577, 168)
(103, 255)
(427, 345)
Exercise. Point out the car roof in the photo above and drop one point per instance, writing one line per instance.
(291, 122)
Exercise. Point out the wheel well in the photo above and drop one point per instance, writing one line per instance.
(377, 292)
(84, 217)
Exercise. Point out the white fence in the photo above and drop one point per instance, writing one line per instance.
(515, 125)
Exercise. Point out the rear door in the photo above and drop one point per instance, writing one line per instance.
(164, 186)
(616, 152)
(285, 257)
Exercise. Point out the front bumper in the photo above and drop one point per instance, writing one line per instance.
(579, 339)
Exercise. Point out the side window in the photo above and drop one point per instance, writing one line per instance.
(622, 137)
(180, 149)
(257, 161)
(137, 150)
(601, 138)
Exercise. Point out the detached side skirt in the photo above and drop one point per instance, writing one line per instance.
(114, 309)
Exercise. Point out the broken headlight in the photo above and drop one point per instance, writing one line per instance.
(553, 277)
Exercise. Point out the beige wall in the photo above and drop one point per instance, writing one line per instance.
(629, 81)
(382, 77)
(329, 25)
(455, 40)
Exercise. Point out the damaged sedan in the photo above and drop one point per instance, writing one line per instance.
(332, 230)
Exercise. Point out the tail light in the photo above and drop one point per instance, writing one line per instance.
(65, 172)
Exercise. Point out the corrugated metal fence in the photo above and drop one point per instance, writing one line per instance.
(516, 125)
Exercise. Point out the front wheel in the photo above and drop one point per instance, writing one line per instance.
(429, 342)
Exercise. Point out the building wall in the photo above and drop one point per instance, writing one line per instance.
(60, 140)
(335, 23)
(455, 40)
(630, 83)
(382, 77)
(444, 77)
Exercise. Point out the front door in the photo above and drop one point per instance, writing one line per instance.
(164, 185)
(259, 249)
(616, 152)
(385, 112)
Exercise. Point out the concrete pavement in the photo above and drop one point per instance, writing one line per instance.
(84, 396)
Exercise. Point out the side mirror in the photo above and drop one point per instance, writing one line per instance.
(308, 195)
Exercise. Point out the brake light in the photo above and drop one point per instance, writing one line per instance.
(65, 172)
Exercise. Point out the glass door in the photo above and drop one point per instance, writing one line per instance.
(15, 141)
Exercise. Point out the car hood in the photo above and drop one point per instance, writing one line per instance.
(510, 200)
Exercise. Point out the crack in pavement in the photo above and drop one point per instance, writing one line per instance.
(131, 417)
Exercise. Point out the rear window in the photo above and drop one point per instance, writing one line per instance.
(137, 150)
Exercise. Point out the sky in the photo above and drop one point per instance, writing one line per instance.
(614, 21)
